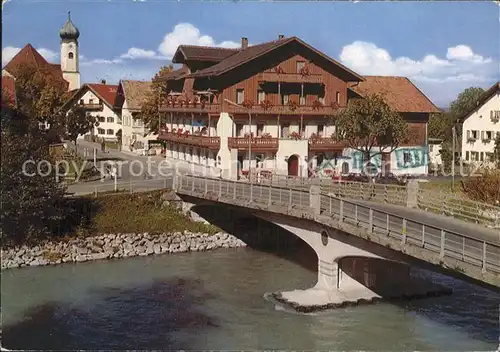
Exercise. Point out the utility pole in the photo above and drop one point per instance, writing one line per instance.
(453, 159)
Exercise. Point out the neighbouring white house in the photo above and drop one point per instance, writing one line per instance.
(480, 128)
(99, 101)
(130, 96)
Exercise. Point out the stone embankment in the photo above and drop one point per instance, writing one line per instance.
(109, 246)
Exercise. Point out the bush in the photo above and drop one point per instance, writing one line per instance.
(485, 188)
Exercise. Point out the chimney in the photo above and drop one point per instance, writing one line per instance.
(103, 81)
(281, 36)
(244, 42)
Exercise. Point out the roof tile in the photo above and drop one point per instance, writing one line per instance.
(135, 93)
(106, 92)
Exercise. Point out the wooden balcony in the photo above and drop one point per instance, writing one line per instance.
(284, 110)
(194, 140)
(257, 144)
(289, 78)
(197, 109)
(91, 107)
(324, 144)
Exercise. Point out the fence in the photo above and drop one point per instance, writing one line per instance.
(428, 200)
(479, 253)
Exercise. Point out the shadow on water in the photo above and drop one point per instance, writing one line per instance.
(260, 235)
(147, 317)
(470, 308)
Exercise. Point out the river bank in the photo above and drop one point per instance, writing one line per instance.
(114, 246)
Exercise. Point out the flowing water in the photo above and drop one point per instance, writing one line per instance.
(215, 300)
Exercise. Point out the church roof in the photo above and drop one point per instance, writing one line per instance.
(69, 30)
(30, 56)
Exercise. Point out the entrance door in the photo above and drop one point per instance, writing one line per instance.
(293, 165)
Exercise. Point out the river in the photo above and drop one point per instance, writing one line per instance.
(215, 300)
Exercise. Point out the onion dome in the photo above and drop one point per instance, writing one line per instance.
(69, 30)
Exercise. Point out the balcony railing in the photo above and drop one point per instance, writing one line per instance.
(195, 140)
(289, 77)
(268, 144)
(195, 108)
(91, 106)
(321, 144)
(283, 110)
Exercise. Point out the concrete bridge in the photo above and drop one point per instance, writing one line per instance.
(363, 249)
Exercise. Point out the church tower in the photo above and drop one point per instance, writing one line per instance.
(69, 54)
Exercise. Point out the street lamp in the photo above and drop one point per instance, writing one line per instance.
(249, 145)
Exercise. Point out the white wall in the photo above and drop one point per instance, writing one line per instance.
(70, 67)
(106, 112)
(434, 154)
(480, 121)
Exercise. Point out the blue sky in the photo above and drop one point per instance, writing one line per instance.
(443, 47)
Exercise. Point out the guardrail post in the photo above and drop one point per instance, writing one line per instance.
(206, 185)
(330, 198)
(269, 199)
(412, 194)
(234, 189)
(341, 215)
(370, 220)
(356, 214)
(387, 224)
(289, 198)
(315, 199)
(386, 194)
(423, 235)
(220, 187)
(441, 252)
(192, 184)
(483, 269)
(403, 232)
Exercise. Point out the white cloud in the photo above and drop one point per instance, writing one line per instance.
(137, 53)
(90, 62)
(460, 64)
(187, 34)
(9, 52)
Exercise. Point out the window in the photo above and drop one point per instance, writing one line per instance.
(467, 155)
(240, 96)
(321, 129)
(300, 65)
(337, 98)
(407, 157)
(488, 135)
(431, 148)
(481, 156)
(260, 129)
(100, 101)
(81, 101)
(239, 130)
(70, 55)
(91, 101)
(110, 119)
(261, 96)
(110, 132)
(259, 160)
(102, 119)
(100, 131)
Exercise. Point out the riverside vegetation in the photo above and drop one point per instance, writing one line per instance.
(119, 225)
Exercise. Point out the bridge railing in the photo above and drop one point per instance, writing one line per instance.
(428, 200)
(446, 244)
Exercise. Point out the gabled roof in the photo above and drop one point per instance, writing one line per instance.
(9, 98)
(243, 56)
(201, 53)
(106, 92)
(482, 99)
(135, 92)
(29, 55)
(176, 74)
(398, 92)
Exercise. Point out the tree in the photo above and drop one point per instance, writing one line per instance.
(150, 113)
(370, 126)
(440, 126)
(465, 102)
(31, 197)
(79, 122)
(496, 151)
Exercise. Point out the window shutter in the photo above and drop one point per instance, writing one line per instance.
(482, 134)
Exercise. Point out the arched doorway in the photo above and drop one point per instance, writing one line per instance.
(293, 165)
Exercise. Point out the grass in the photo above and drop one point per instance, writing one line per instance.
(442, 185)
(112, 145)
(141, 212)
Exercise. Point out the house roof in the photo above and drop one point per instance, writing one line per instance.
(9, 98)
(135, 92)
(176, 74)
(106, 92)
(29, 55)
(243, 56)
(398, 92)
(482, 99)
(201, 53)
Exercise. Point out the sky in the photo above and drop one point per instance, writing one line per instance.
(443, 47)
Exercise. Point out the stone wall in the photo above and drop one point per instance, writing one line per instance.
(109, 246)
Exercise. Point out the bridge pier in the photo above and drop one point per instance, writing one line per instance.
(350, 270)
